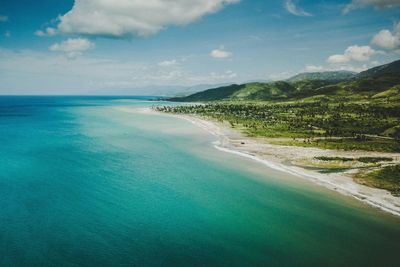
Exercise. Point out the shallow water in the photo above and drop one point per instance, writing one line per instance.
(86, 182)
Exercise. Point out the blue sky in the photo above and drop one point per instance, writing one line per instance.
(91, 46)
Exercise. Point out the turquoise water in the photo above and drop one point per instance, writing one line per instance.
(86, 182)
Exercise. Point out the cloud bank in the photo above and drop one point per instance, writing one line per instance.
(295, 10)
(72, 47)
(167, 63)
(220, 53)
(23, 71)
(356, 4)
(121, 18)
(47, 32)
(388, 40)
(353, 53)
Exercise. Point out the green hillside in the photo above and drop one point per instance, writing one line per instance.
(364, 110)
(391, 68)
(327, 76)
(264, 91)
(256, 91)
(219, 93)
(367, 85)
(360, 113)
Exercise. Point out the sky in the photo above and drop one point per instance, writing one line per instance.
(135, 46)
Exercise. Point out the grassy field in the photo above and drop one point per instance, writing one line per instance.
(348, 144)
(361, 159)
(386, 178)
(371, 126)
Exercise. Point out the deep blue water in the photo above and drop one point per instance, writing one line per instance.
(87, 181)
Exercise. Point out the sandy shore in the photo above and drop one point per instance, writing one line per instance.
(276, 156)
(281, 157)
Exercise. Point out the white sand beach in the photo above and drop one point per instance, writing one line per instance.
(274, 156)
(277, 157)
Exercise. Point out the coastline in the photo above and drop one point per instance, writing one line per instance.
(231, 141)
(276, 157)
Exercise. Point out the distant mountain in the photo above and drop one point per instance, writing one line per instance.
(188, 90)
(264, 91)
(376, 79)
(378, 82)
(326, 76)
(219, 93)
(254, 91)
(390, 68)
(156, 90)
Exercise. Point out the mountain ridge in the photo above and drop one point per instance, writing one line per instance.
(325, 75)
(366, 84)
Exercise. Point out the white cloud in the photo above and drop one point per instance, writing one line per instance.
(295, 10)
(167, 63)
(120, 18)
(353, 53)
(388, 40)
(228, 75)
(72, 47)
(337, 59)
(47, 32)
(220, 53)
(359, 53)
(280, 75)
(313, 68)
(3, 18)
(385, 39)
(32, 72)
(339, 67)
(356, 4)
(213, 77)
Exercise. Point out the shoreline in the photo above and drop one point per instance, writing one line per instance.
(231, 141)
(227, 142)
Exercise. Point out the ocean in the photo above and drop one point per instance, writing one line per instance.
(94, 181)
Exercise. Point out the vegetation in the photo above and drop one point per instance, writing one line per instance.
(361, 159)
(348, 87)
(326, 110)
(362, 112)
(330, 125)
(373, 159)
(327, 76)
(255, 91)
(348, 144)
(386, 178)
(334, 158)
